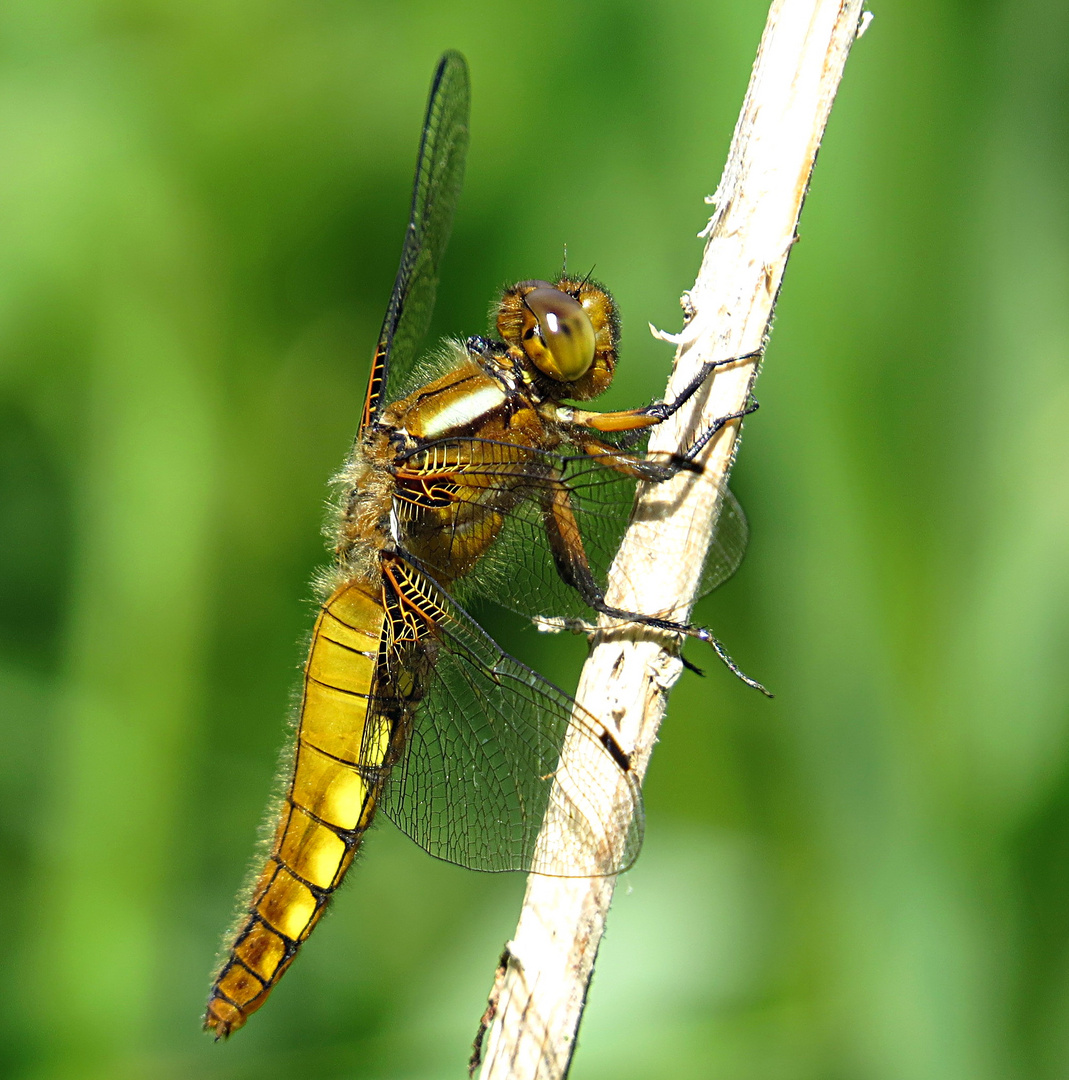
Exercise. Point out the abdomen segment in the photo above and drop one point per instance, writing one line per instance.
(340, 763)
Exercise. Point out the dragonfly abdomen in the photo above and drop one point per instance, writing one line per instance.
(339, 766)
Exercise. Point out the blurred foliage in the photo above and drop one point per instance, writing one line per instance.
(201, 207)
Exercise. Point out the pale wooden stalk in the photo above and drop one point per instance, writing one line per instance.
(540, 990)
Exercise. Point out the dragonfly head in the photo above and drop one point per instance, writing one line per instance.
(566, 331)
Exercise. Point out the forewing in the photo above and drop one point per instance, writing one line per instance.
(482, 769)
(519, 569)
(439, 176)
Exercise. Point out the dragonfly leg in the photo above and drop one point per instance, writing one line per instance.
(643, 467)
(566, 543)
(628, 420)
(663, 410)
(704, 438)
(637, 466)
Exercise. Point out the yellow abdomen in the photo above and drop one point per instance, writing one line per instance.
(339, 765)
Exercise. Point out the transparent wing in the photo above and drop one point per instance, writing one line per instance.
(481, 768)
(439, 177)
(728, 548)
(505, 491)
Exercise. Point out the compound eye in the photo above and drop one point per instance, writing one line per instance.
(558, 335)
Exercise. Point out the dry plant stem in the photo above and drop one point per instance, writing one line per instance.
(540, 990)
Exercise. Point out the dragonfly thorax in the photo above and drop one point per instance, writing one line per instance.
(366, 487)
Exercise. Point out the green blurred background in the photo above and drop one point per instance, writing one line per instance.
(201, 207)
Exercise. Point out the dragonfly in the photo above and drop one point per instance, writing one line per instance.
(468, 478)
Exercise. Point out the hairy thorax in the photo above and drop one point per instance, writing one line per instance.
(421, 477)
(362, 529)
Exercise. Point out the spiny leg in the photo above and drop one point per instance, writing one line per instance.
(645, 466)
(565, 539)
(628, 420)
